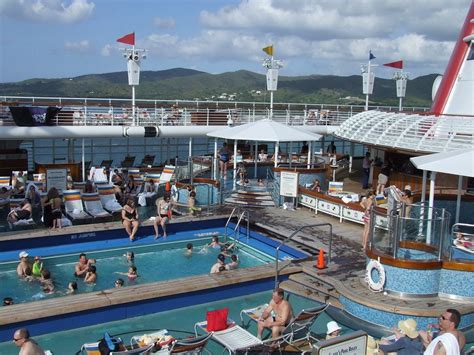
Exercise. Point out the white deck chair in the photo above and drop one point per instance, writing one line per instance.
(14, 204)
(167, 174)
(299, 327)
(93, 206)
(98, 176)
(5, 182)
(73, 205)
(234, 339)
(107, 198)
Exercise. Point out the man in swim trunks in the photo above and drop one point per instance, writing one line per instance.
(24, 267)
(24, 212)
(83, 265)
(21, 338)
(276, 316)
(443, 343)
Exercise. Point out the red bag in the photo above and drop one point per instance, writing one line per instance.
(217, 320)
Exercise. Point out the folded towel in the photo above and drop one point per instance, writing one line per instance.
(449, 342)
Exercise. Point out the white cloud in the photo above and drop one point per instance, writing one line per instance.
(164, 22)
(107, 50)
(81, 46)
(48, 10)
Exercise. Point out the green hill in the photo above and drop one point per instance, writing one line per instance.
(180, 83)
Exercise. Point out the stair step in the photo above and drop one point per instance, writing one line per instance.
(303, 291)
(314, 283)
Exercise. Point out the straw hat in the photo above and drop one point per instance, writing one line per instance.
(332, 327)
(408, 327)
(407, 187)
(372, 346)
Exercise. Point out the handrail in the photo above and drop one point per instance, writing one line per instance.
(241, 213)
(277, 270)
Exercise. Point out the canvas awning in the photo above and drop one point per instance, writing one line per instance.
(265, 130)
(456, 162)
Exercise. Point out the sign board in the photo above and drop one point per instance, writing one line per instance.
(350, 344)
(335, 188)
(56, 178)
(288, 184)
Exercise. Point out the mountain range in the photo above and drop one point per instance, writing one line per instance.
(188, 84)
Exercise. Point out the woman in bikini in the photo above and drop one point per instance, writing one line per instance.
(130, 219)
(366, 204)
(163, 215)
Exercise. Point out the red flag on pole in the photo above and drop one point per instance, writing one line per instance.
(128, 39)
(398, 64)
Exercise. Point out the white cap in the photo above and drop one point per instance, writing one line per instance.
(23, 254)
(332, 327)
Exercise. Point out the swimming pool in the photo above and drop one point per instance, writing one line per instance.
(60, 313)
(157, 262)
(179, 322)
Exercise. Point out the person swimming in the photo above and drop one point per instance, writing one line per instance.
(189, 249)
(71, 288)
(131, 274)
(215, 243)
(37, 267)
(130, 255)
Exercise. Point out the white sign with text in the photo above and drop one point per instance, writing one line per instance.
(289, 184)
(56, 178)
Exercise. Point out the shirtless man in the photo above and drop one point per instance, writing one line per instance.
(448, 323)
(83, 265)
(277, 315)
(24, 267)
(28, 346)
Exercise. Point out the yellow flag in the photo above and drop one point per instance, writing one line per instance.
(268, 50)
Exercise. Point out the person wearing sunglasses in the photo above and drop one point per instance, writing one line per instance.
(22, 339)
(450, 340)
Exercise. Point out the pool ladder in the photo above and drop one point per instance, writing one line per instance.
(235, 232)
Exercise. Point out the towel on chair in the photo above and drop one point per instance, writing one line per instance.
(449, 342)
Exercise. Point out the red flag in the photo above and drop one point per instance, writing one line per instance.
(397, 64)
(128, 39)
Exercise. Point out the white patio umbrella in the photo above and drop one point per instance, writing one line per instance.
(265, 130)
(456, 162)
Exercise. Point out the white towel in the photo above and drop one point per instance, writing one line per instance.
(450, 344)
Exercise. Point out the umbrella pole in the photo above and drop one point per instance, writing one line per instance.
(430, 206)
(214, 163)
(256, 157)
(235, 162)
(277, 146)
(310, 148)
(458, 201)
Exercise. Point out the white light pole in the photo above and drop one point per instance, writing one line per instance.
(133, 56)
(368, 78)
(273, 66)
(401, 79)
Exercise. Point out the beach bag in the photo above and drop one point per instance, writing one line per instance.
(217, 320)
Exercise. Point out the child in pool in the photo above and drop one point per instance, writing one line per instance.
(189, 249)
(71, 288)
(46, 282)
(91, 275)
(130, 255)
(131, 274)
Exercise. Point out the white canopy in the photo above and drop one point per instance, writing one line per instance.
(456, 162)
(265, 130)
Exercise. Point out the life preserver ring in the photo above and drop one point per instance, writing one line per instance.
(174, 193)
(375, 265)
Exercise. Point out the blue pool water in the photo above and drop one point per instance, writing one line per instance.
(158, 262)
(179, 323)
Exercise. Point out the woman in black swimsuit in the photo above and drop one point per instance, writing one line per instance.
(130, 219)
(224, 157)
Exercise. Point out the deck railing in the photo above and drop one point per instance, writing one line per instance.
(113, 112)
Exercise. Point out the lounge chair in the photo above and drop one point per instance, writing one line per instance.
(5, 181)
(299, 328)
(79, 185)
(14, 204)
(147, 161)
(128, 162)
(115, 346)
(93, 205)
(107, 198)
(189, 346)
(73, 206)
(234, 338)
(97, 175)
(167, 174)
(105, 164)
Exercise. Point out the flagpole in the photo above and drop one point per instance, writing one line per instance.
(133, 95)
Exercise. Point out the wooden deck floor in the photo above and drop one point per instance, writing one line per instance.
(25, 312)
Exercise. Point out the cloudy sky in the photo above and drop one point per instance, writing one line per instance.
(66, 38)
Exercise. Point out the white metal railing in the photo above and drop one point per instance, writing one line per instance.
(103, 112)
